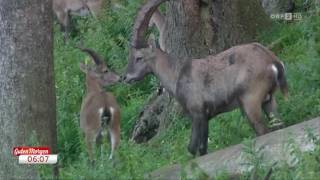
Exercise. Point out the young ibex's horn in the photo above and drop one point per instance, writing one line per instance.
(142, 23)
(96, 58)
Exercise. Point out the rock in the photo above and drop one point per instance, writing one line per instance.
(274, 146)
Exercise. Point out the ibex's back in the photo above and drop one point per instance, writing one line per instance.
(223, 78)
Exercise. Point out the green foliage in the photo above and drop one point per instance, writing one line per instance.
(109, 35)
(255, 159)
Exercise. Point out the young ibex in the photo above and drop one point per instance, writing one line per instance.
(244, 76)
(99, 110)
(64, 8)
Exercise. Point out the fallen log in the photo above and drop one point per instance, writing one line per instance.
(233, 159)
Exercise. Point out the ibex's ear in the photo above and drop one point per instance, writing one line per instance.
(83, 67)
(152, 41)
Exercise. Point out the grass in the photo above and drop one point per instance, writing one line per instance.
(299, 48)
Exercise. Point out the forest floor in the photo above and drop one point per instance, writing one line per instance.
(298, 48)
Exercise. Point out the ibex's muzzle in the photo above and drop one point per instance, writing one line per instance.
(128, 78)
(125, 79)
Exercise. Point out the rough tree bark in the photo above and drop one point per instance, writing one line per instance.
(197, 28)
(27, 91)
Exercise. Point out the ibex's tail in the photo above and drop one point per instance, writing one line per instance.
(105, 116)
(281, 78)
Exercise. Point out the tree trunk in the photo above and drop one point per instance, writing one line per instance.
(197, 28)
(275, 147)
(27, 91)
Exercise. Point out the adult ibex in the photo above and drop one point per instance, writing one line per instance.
(99, 110)
(64, 8)
(243, 76)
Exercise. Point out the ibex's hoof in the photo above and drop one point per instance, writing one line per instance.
(203, 152)
(275, 123)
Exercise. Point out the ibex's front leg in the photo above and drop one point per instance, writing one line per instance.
(203, 149)
(195, 137)
(197, 142)
(67, 26)
(64, 20)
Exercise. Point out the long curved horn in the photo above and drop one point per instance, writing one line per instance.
(96, 58)
(142, 22)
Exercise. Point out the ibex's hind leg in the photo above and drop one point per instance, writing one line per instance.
(95, 8)
(270, 109)
(252, 107)
(114, 139)
(99, 143)
(90, 141)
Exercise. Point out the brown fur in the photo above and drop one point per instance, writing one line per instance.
(64, 8)
(98, 104)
